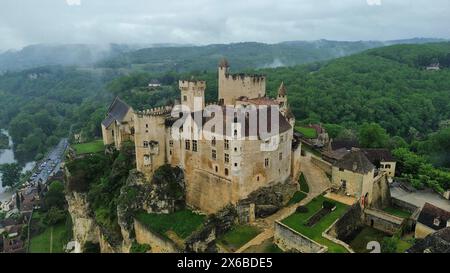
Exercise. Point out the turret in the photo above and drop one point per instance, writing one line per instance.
(282, 97)
(193, 94)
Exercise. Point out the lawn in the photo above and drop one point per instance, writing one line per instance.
(41, 243)
(397, 212)
(298, 196)
(238, 236)
(306, 131)
(303, 184)
(183, 223)
(366, 235)
(89, 147)
(297, 222)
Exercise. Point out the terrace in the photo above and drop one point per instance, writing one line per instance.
(313, 221)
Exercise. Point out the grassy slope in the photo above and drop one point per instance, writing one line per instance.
(41, 242)
(183, 222)
(238, 237)
(90, 147)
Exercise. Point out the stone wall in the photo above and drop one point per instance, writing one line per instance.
(403, 205)
(323, 165)
(290, 240)
(158, 243)
(349, 224)
(383, 221)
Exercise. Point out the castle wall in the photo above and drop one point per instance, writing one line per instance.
(232, 87)
(107, 134)
(158, 243)
(150, 143)
(288, 239)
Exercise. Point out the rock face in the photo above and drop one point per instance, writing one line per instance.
(269, 200)
(84, 227)
(165, 194)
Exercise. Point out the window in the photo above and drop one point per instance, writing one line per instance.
(280, 156)
(147, 160)
(170, 152)
(194, 145)
(145, 144)
(257, 178)
(436, 221)
(214, 154)
(217, 169)
(281, 139)
(227, 158)
(235, 133)
(226, 172)
(213, 128)
(187, 144)
(227, 144)
(213, 142)
(146, 125)
(387, 166)
(171, 143)
(235, 164)
(341, 169)
(266, 162)
(344, 184)
(235, 149)
(184, 98)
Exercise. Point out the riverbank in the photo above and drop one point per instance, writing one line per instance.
(7, 157)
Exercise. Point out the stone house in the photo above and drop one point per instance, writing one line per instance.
(356, 176)
(431, 219)
(118, 125)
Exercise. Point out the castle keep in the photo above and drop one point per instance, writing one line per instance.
(228, 165)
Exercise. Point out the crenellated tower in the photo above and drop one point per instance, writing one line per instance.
(193, 94)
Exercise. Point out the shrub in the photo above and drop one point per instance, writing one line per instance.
(302, 209)
(328, 205)
(138, 248)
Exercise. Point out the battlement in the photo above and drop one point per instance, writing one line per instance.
(192, 85)
(157, 111)
(246, 77)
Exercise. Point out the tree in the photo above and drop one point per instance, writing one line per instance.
(389, 245)
(55, 216)
(10, 174)
(372, 135)
(55, 196)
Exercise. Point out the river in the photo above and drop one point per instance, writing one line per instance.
(7, 156)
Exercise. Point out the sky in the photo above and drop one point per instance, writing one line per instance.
(25, 22)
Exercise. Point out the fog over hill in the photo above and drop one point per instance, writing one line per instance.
(183, 57)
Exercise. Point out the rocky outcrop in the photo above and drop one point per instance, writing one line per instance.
(269, 200)
(84, 227)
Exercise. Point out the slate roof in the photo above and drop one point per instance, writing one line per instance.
(347, 144)
(282, 90)
(378, 155)
(116, 112)
(355, 161)
(283, 124)
(437, 242)
(429, 213)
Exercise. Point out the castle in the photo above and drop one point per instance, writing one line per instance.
(226, 161)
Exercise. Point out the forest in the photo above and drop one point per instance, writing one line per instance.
(383, 97)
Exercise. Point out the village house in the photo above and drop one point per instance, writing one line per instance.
(154, 84)
(431, 219)
(229, 165)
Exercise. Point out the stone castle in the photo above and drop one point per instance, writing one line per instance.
(227, 166)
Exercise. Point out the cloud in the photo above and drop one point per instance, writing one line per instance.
(24, 22)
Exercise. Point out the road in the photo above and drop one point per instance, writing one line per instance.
(318, 183)
(51, 163)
